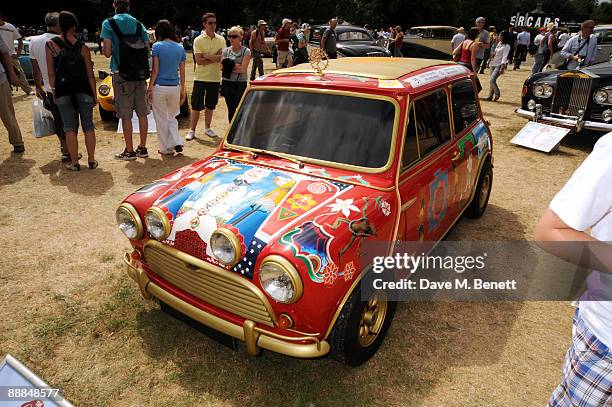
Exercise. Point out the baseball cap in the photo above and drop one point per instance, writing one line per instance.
(261, 22)
(286, 20)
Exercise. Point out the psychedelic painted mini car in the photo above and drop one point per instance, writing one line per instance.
(262, 240)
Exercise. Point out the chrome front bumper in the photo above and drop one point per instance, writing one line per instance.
(568, 123)
(253, 336)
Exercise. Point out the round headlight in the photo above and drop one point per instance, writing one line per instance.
(538, 91)
(225, 246)
(531, 104)
(158, 224)
(129, 221)
(548, 91)
(280, 280)
(104, 89)
(601, 96)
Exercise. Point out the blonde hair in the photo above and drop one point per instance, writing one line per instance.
(236, 30)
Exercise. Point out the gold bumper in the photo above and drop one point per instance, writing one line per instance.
(253, 336)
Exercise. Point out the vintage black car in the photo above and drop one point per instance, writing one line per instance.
(577, 99)
(353, 41)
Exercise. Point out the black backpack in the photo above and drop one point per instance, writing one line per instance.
(70, 69)
(133, 53)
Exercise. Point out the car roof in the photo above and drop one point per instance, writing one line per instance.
(604, 26)
(433, 27)
(370, 67)
(342, 27)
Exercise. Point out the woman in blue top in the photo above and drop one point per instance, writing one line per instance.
(166, 91)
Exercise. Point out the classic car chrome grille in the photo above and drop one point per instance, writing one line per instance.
(220, 288)
(571, 95)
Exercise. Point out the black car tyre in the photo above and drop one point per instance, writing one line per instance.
(483, 191)
(105, 115)
(361, 327)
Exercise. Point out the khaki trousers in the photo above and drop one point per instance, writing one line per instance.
(7, 115)
(21, 76)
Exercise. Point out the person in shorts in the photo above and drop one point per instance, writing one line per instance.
(207, 48)
(129, 96)
(283, 41)
(582, 213)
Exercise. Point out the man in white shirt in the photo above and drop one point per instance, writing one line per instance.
(582, 213)
(9, 34)
(581, 49)
(458, 38)
(38, 46)
(563, 38)
(522, 44)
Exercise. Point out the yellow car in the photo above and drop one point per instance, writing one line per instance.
(105, 99)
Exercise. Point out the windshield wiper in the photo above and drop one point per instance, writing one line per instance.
(255, 152)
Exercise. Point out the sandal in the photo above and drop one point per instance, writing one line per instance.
(166, 153)
(73, 167)
(93, 164)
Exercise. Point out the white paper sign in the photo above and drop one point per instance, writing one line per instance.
(20, 387)
(539, 136)
(136, 127)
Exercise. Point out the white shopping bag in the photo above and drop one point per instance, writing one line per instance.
(44, 125)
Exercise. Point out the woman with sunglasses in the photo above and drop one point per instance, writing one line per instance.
(235, 62)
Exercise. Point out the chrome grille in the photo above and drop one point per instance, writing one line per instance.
(571, 95)
(220, 288)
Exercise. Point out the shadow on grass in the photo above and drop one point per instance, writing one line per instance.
(425, 340)
(85, 182)
(152, 168)
(584, 141)
(15, 168)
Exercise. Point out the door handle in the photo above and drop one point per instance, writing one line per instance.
(456, 156)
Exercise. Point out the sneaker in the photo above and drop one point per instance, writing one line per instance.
(210, 133)
(126, 156)
(142, 152)
(92, 164)
(73, 167)
(178, 149)
(190, 135)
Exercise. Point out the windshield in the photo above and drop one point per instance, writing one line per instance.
(331, 127)
(354, 36)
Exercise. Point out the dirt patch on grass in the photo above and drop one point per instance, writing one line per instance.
(71, 314)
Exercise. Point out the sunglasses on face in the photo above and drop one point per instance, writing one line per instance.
(211, 23)
(233, 37)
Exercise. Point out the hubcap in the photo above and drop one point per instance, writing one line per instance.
(484, 191)
(372, 318)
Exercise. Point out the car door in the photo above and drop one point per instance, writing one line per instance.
(466, 129)
(425, 180)
(604, 45)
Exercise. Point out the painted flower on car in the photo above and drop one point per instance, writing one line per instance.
(345, 206)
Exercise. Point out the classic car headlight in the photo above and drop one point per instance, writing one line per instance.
(601, 96)
(542, 91)
(531, 104)
(225, 246)
(129, 221)
(104, 89)
(158, 224)
(280, 279)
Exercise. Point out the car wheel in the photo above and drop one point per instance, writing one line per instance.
(184, 109)
(105, 114)
(483, 191)
(361, 327)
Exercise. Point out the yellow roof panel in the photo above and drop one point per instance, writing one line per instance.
(369, 67)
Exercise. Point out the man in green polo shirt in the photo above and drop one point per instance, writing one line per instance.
(207, 49)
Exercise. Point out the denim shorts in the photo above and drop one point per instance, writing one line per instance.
(73, 106)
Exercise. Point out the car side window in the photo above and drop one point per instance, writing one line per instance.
(432, 121)
(465, 109)
(411, 147)
(606, 37)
